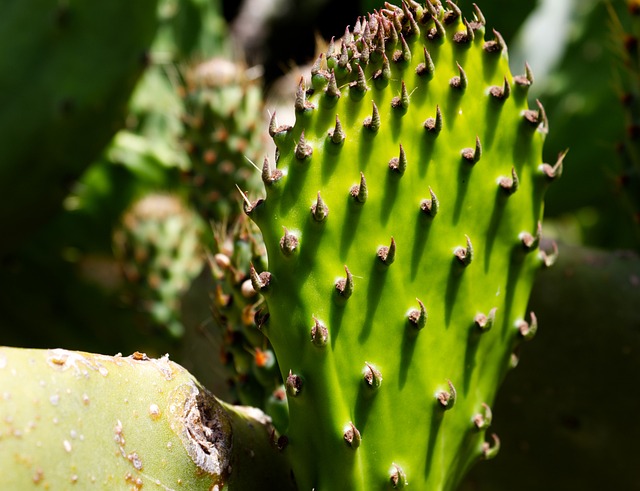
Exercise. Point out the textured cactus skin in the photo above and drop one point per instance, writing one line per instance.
(101, 422)
(346, 432)
(90, 70)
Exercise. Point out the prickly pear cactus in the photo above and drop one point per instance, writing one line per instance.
(223, 108)
(252, 368)
(401, 221)
(112, 422)
(158, 247)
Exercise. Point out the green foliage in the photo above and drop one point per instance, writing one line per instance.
(67, 74)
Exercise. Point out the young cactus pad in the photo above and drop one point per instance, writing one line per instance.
(401, 221)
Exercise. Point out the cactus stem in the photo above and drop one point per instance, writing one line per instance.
(485, 322)
(319, 210)
(447, 399)
(397, 477)
(483, 419)
(373, 122)
(399, 164)
(352, 436)
(319, 333)
(418, 318)
(459, 82)
(288, 243)
(372, 376)
(464, 254)
(359, 191)
(472, 155)
(260, 282)
(303, 149)
(528, 330)
(490, 451)
(434, 125)
(430, 206)
(555, 171)
(337, 135)
(387, 254)
(426, 68)
(293, 384)
(344, 286)
(509, 184)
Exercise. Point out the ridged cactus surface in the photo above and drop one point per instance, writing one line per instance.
(401, 220)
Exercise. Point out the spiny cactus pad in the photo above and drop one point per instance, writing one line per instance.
(401, 222)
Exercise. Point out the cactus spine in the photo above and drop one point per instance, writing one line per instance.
(401, 222)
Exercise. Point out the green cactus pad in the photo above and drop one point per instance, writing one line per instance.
(79, 420)
(401, 222)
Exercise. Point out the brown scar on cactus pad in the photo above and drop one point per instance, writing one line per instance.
(416, 223)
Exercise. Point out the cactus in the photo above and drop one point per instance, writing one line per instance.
(159, 250)
(82, 89)
(552, 407)
(223, 109)
(125, 423)
(253, 370)
(401, 222)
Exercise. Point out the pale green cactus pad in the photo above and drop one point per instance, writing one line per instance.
(73, 420)
(402, 221)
